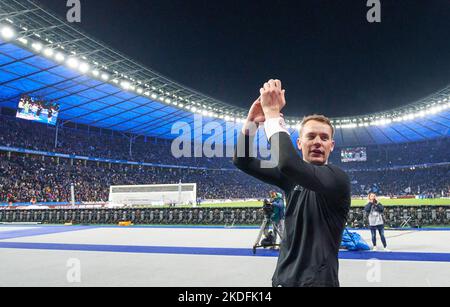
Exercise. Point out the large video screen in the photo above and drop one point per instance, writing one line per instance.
(357, 154)
(39, 110)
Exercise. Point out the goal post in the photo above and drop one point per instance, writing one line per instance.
(154, 195)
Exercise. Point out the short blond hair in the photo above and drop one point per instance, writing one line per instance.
(317, 118)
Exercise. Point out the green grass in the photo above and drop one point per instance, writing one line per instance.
(355, 203)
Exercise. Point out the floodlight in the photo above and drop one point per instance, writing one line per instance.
(84, 68)
(73, 63)
(48, 52)
(125, 85)
(59, 57)
(7, 33)
(37, 46)
(23, 40)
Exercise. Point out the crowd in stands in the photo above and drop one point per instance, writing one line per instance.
(385, 156)
(30, 135)
(427, 182)
(23, 178)
(27, 177)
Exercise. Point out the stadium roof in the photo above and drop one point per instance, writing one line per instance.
(43, 56)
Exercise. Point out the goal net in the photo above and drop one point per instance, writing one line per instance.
(154, 195)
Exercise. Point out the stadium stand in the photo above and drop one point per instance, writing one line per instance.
(48, 179)
(25, 177)
(30, 135)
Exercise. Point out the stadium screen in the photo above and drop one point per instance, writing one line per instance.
(38, 110)
(358, 154)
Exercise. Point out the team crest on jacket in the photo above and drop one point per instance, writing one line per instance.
(298, 188)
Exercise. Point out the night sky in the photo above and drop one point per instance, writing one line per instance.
(330, 59)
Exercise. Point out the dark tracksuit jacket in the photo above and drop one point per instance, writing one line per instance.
(318, 199)
(378, 207)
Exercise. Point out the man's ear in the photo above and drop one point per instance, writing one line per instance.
(299, 144)
(332, 146)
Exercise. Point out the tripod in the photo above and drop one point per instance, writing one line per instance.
(264, 230)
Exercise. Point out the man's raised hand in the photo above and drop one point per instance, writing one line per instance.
(256, 113)
(255, 118)
(272, 98)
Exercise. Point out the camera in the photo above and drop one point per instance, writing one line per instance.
(270, 236)
(267, 208)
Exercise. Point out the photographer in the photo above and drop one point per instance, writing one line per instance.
(278, 212)
(374, 211)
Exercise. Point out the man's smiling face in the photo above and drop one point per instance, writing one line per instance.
(316, 142)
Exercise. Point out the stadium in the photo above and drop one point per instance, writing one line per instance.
(91, 169)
